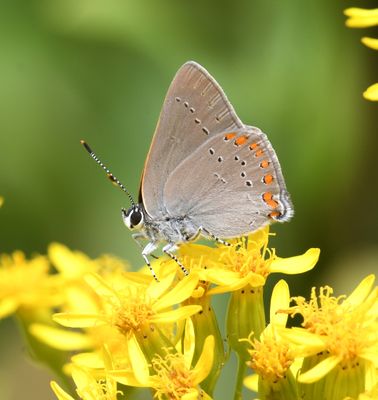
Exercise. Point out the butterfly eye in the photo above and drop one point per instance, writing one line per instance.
(136, 218)
(133, 217)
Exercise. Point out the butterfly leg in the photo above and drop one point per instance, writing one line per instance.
(167, 249)
(217, 239)
(140, 235)
(151, 246)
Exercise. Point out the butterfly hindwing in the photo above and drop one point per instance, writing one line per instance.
(231, 185)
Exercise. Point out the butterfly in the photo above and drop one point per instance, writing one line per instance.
(206, 173)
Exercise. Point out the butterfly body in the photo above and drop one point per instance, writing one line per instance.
(169, 229)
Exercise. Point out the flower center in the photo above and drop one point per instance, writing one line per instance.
(133, 313)
(270, 358)
(174, 379)
(245, 258)
(342, 327)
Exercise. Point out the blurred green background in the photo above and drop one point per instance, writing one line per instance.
(99, 70)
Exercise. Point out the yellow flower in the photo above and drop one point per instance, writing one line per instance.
(362, 18)
(272, 357)
(251, 262)
(72, 266)
(79, 297)
(88, 387)
(25, 284)
(371, 93)
(173, 376)
(139, 312)
(339, 337)
(1, 201)
(370, 42)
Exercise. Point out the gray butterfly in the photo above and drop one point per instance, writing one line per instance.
(206, 172)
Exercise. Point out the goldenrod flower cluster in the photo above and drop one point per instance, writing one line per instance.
(111, 330)
(364, 18)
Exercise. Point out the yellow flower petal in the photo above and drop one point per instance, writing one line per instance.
(139, 278)
(175, 315)
(280, 300)
(370, 42)
(259, 238)
(205, 362)
(88, 360)
(360, 17)
(69, 263)
(296, 264)
(59, 392)
(126, 377)
(307, 343)
(81, 299)
(98, 284)
(360, 12)
(79, 320)
(371, 93)
(107, 357)
(219, 276)
(192, 395)
(361, 292)
(189, 343)
(320, 370)
(179, 293)
(87, 386)
(8, 306)
(205, 396)
(255, 280)
(252, 382)
(156, 289)
(370, 355)
(137, 360)
(60, 339)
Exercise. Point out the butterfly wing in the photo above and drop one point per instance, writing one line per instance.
(231, 185)
(194, 110)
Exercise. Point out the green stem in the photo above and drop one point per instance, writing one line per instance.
(242, 366)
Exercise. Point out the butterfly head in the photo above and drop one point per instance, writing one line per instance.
(133, 218)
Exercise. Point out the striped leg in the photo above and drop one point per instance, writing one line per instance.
(137, 237)
(168, 250)
(217, 239)
(146, 251)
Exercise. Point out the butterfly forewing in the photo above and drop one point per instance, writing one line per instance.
(195, 109)
(231, 185)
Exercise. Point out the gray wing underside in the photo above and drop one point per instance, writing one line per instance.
(194, 110)
(212, 189)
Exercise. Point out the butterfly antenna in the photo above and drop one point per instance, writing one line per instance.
(108, 173)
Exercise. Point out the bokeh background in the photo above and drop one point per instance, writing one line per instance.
(99, 70)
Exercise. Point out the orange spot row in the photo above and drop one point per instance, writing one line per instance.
(268, 198)
(241, 140)
(264, 164)
(255, 146)
(267, 179)
(230, 136)
(274, 214)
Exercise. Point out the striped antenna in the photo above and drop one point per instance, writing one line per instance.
(108, 173)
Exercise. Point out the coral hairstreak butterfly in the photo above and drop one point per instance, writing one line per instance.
(206, 172)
